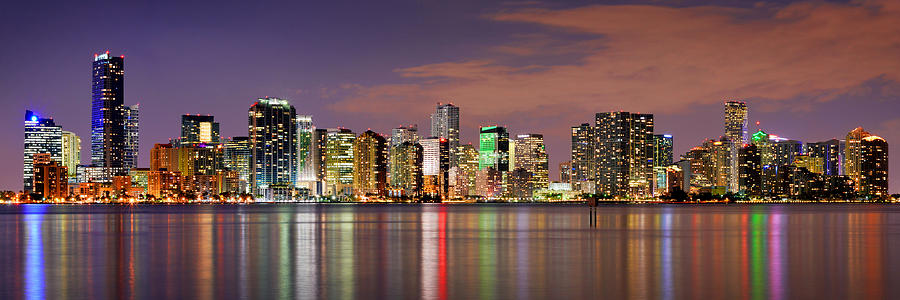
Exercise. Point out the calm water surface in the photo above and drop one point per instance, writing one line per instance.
(450, 252)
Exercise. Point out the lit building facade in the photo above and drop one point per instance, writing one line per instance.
(370, 164)
(108, 126)
(736, 133)
(873, 167)
(199, 129)
(830, 153)
(463, 175)
(305, 169)
(50, 177)
(493, 148)
(531, 156)
(339, 161)
(853, 156)
(406, 169)
(71, 152)
(435, 166)
(624, 154)
(132, 135)
(236, 157)
(445, 124)
(583, 174)
(273, 144)
(41, 136)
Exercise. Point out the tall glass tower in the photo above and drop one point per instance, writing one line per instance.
(445, 124)
(42, 136)
(736, 132)
(273, 144)
(493, 148)
(108, 112)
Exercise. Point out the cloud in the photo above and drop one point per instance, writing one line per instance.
(658, 58)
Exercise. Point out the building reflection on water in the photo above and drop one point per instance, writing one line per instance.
(449, 252)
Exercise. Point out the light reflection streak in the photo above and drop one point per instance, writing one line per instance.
(34, 251)
(666, 248)
(429, 255)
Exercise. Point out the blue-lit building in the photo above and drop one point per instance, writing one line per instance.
(108, 128)
(41, 136)
(273, 145)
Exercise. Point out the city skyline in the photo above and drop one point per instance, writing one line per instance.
(802, 115)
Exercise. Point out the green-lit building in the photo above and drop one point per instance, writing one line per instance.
(493, 148)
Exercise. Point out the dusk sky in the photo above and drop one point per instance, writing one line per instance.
(810, 70)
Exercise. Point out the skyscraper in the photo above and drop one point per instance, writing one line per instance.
(493, 148)
(435, 166)
(273, 144)
(339, 161)
(462, 179)
(237, 158)
(305, 169)
(662, 159)
(108, 112)
(736, 133)
(406, 169)
(584, 141)
(370, 164)
(531, 156)
(830, 154)
(198, 129)
(873, 166)
(624, 153)
(71, 152)
(853, 155)
(42, 136)
(132, 137)
(445, 124)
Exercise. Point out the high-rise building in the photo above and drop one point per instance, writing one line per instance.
(624, 154)
(493, 148)
(273, 144)
(463, 175)
(41, 136)
(237, 156)
(404, 134)
(853, 155)
(736, 133)
(873, 166)
(785, 152)
(305, 169)
(435, 166)
(71, 152)
(198, 129)
(531, 156)
(750, 172)
(339, 161)
(445, 124)
(584, 141)
(829, 152)
(132, 135)
(663, 153)
(319, 146)
(406, 169)
(370, 153)
(108, 126)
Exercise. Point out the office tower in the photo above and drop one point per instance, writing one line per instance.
(237, 156)
(519, 185)
(785, 151)
(464, 173)
(163, 158)
(662, 158)
(339, 161)
(50, 177)
(736, 132)
(829, 152)
(273, 144)
(624, 153)
(71, 152)
(531, 156)
(750, 173)
(201, 159)
(370, 153)
(663, 153)
(583, 154)
(319, 144)
(305, 169)
(873, 167)
(403, 134)
(853, 155)
(489, 183)
(435, 166)
(108, 112)
(198, 129)
(406, 169)
(812, 164)
(493, 148)
(445, 124)
(132, 130)
(718, 164)
(565, 172)
(41, 136)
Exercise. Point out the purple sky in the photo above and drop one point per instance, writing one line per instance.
(809, 70)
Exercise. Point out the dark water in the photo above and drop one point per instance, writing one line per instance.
(451, 251)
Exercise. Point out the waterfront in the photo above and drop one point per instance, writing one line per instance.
(508, 251)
